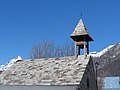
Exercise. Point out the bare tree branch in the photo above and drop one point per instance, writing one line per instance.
(48, 49)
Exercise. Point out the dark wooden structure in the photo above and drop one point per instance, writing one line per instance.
(81, 38)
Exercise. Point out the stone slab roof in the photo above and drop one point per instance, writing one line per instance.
(81, 33)
(51, 71)
(80, 29)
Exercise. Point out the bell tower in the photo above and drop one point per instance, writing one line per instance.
(81, 38)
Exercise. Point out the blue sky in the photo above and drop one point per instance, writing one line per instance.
(25, 22)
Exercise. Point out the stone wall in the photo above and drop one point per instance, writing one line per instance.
(88, 81)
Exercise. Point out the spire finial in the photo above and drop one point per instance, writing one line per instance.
(81, 15)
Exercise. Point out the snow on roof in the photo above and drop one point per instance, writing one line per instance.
(10, 63)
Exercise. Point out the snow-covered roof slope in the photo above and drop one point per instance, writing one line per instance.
(10, 63)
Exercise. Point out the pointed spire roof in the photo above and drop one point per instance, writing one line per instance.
(80, 33)
(80, 29)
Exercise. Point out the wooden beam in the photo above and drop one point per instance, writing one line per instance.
(75, 50)
(84, 49)
(78, 50)
(87, 47)
(79, 43)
